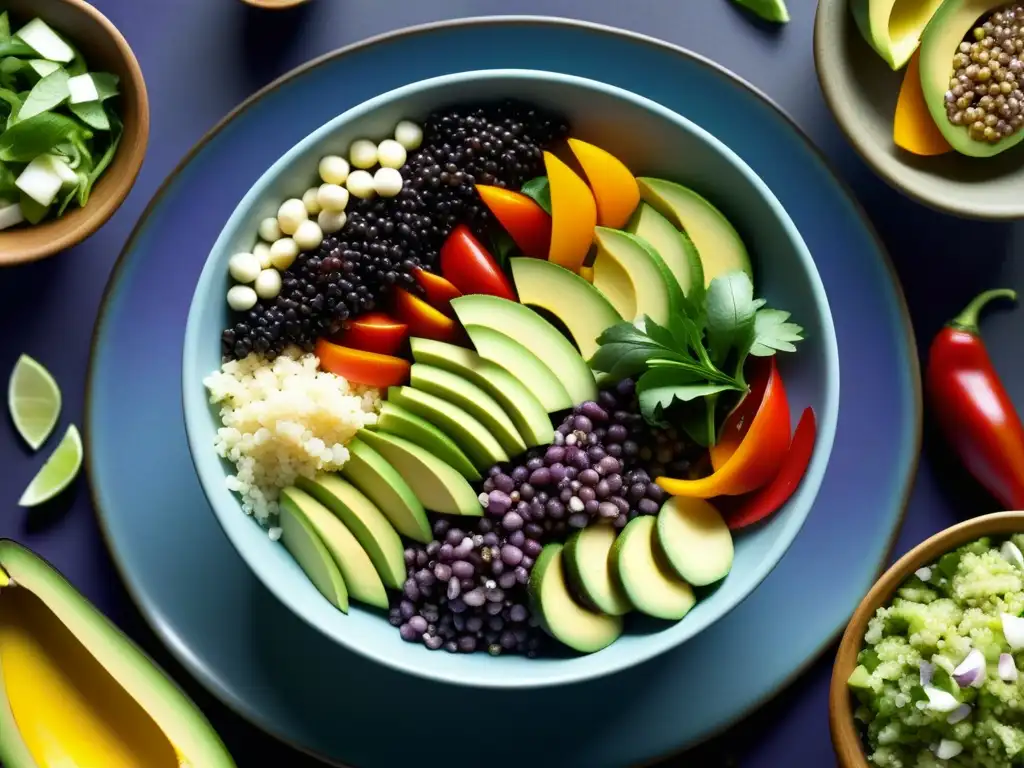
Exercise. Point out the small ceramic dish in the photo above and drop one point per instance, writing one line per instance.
(861, 90)
(846, 737)
(105, 49)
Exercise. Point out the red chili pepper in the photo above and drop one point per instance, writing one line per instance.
(469, 267)
(374, 332)
(972, 406)
(741, 511)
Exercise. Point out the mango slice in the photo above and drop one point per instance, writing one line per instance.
(615, 190)
(914, 128)
(573, 215)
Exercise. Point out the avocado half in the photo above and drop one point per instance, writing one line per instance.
(75, 691)
(894, 27)
(939, 43)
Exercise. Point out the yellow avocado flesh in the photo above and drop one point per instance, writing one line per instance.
(939, 44)
(894, 27)
(76, 692)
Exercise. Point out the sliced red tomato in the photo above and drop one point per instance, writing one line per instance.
(361, 367)
(527, 223)
(439, 290)
(469, 267)
(423, 320)
(374, 332)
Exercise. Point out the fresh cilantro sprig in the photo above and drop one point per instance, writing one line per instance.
(699, 356)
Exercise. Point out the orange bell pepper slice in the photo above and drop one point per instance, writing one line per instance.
(753, 444)
(423, 320)
(615, 189)
(573, 215)
(361, 367)
(439, 290)
(527, 223)
(374, 332)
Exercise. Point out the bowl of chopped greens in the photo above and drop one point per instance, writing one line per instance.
(929, 670)
(74, 125)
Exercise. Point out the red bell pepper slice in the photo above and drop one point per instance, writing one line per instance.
(361, 367)
(439, 290)
(423, 320)
(744, 511)
(374, 332)
(470, 268)
(753, 443)
(526, 222)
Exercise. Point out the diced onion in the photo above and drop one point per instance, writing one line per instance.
(1007, 668)
(1012, 554)
(948, 749)
(971, 671)
(927, 670)
(1013, 631)
(958, 714)
(939, 700)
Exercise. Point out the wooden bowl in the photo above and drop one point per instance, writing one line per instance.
(846, 737)
(105, 49)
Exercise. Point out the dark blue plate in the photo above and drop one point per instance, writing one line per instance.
(286, 677)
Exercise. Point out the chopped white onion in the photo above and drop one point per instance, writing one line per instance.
(408, 134)
(939, 700)
(331, 222)
(360, 184)
(262, 252)
(958, 714)
(1013, 631)
(241, 298)
(387, 182)
(308, 236)
(1012, 554)
(927, 670)
(283, 253)
(309, 199)
(391, 154)
(269, 229)
(244, 267)
(333, 169)
(924, 574)
(971, 671)
(268, 284)
(291, 213)
(332, 197)
(948, 749)
(1007, 668)
(362, 154)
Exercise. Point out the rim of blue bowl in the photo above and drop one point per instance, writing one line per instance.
(576, 669)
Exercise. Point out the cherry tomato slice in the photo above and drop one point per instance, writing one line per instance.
(470, 268)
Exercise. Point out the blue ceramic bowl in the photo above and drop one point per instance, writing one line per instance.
(651, 140)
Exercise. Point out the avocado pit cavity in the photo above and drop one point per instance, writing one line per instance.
(985, 93)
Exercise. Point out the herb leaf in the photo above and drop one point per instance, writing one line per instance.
(660, 387)
(85, 186)
(106, 84)
(538, 190)
(773, 333)
(13, 47)
(27, 139)
(92, 114)
(5, 27)
(48, 93)
(8, 189)
(730, 308)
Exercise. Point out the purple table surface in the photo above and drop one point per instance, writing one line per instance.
(202, 57)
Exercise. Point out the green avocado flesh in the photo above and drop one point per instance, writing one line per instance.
(633, 277)
(75, 691)
(495, 347)
(472, 399)
(305, 543)
(523, 407)
(588, 569)
(719, 246)
(650, 584)
(439, 487)
(893, 27)
(562, 617)
(952, 21)
(357, 570)
(468, 433)
(367, 523)
(695, 540)
(396, 420)
(675, 249)
(581, 308)
(518, 321)
(368, 471)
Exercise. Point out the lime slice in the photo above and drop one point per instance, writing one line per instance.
(33, 398)
(58, 471)
(769, 10)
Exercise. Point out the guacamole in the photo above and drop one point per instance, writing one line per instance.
(937, 680)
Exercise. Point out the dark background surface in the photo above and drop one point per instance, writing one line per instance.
(202, 57)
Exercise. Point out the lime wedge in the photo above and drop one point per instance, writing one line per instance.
(769, 10)
(57, 473)
(33, 398)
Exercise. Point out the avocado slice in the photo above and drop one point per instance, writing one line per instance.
(589, 572)
(649, 583)
(497, 348)
(675, 248)
(894, 27)
(357, 570)
(472, 399)
(695, 540)
(368, 471)
(718, 244)
(468, 433)
(519, 322)
(436, 484)
(301, 538)
(523, 407)
(951, 23)
(74, 690)
(561, 616)
(633, 277)
(372, 530)
(581, 308)
(396, 420)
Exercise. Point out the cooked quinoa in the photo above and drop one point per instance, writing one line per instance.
(282, 419)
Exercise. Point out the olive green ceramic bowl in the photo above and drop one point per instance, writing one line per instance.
(846, 738)
(861, 90)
